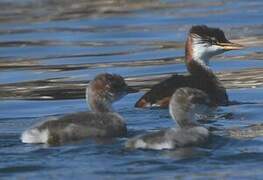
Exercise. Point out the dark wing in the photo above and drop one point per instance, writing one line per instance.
(161, 93)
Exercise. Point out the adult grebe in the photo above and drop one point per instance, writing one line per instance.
(101, 122)
(202, 43)
(184, 104)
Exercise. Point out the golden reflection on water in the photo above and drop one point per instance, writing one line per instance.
(50, 49)
(63, 88)
(66, 89)
(27, 12)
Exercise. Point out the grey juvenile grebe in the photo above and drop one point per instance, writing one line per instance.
(202, 43)
(102, 122)
(184, 103)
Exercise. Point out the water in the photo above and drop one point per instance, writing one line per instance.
(49, 50)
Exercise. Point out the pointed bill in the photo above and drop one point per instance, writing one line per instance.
(231, 46)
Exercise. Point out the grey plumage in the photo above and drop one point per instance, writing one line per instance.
(184, 103)
(83, 124)
(102, 122)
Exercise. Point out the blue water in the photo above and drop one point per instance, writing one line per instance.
(41, 40)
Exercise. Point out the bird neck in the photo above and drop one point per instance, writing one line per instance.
(183, 115)
(197, 64)
(199, 70)
(97, 102)
(202, 76)
(100, 106)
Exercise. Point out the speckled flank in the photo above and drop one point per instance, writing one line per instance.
(102, 122)
(183, 107)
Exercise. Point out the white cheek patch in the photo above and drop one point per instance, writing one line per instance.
(202, 51)
(214, 50)
(199, 53)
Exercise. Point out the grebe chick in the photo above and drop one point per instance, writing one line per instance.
(101, 122)
(202, 44)
(184, 104)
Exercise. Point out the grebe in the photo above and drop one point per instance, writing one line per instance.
(101, 122)
(184, 105)
(202, 43)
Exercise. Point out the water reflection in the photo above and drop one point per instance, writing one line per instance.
(64, 88)
(49, 50)
(76, 38)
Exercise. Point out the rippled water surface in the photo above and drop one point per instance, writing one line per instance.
(49, 50)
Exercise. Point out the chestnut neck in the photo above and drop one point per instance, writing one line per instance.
(195, 66)
(202, 76)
